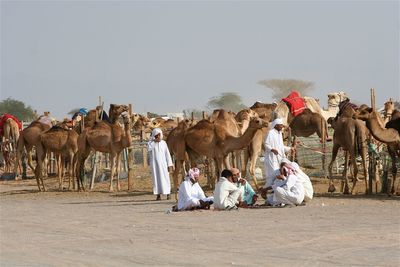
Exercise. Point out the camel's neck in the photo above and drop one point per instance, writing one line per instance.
(237, 143)
(380, 133)
(245, 125)
(127, 140)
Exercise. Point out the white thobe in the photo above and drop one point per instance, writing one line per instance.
(274, 140)
(160, 160)
(291, 192)
(306, 182)
(226, 194)
(190, 195)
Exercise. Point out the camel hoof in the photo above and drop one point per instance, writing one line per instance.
(331, 188)
(111, 189)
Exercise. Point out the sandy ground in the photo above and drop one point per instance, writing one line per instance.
(131, 229)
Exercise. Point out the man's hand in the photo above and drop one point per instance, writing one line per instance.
(292, 149)
(273, 150)
(243, 181)
(171, 168)
(280, 177)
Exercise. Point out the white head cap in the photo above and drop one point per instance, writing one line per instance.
(155, 132)
(276, 122)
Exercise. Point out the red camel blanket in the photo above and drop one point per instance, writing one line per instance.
(6, 117)
(296, 103)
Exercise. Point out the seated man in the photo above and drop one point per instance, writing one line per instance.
(288, 187)
(191, 195)
(249, 197)
(227, 195)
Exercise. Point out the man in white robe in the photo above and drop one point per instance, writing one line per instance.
(160, 164)
(288, 187)
(227, 195)
(275, 151)
(191, 195)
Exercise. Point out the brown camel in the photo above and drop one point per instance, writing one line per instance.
(107, 138)
(64, 144)
(211, 140)
(349, 134)
(176, 146)
(391, 137)
(166, 126)
(29, 137)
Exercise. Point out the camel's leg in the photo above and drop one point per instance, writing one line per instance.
(112, 166)
(226, 161)
(40, 155)
(355, 172)
(335, 150)
(175, 176)
(253, 160)
(392, 153)
(20, 148)
(29, 157)
(365, 168)
(80, 167)
(346, 173)
(60, 172)
(118, 168)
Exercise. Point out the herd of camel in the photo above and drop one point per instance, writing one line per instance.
(222, 134)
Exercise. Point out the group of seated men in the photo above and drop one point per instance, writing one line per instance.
(291, 186)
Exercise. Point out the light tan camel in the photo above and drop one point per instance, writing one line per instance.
(212, 140)
(388, 111)
(11, 134)
(166, 126)
(264, 110)
(64, 144)
(391, 137)
(334, 99)
(349, 134)
(29, 137)
(107, 138)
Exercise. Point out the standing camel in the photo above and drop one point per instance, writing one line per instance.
(11, 131)
(29, 137)
(213, 141)
(390, 136)
(349, 134)
(64, 144)
(107, 138)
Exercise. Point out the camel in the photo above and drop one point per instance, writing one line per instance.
(107, 138)
(11, 134)
(212, 140)
(350, 134)
(64, 144)
(390, 136)
(388, 111)
(334, 99)
(176, 146)
(264, 111)
(29, 137)
(166, 126)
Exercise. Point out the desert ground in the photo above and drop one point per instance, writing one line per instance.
(99, 228)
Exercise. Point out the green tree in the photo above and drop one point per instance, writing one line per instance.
(18, 109)
(282, 88)
(228, 101)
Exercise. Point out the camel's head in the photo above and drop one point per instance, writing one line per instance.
(389, 107)
(335, 98)
(245, 115)
(258, 123)
(363, 113)
(117, 110)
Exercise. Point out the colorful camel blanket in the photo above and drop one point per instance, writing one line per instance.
(6, 117)
(296, 103)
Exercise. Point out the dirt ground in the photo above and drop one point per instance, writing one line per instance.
(131, 229)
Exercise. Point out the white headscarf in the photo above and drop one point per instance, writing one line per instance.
(275, 122)
(155, 132)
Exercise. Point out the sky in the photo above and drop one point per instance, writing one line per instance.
(167, 56)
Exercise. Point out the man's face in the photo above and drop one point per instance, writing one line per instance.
(279, 127)
(157, 137)
(236, 176)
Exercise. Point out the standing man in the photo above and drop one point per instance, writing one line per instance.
(160, 164)
(226, 194)
(274, 151)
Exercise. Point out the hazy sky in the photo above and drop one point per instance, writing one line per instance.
(166, 56)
